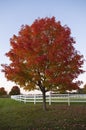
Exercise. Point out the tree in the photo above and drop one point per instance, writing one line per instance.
(84, 89)
(43, 56)
(2, 91)
(15, 90)
(79, 91)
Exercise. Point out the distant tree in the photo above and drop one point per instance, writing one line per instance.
(15, 90)
(80, 91)
(84, 89)
(2, 91)
(43, 56)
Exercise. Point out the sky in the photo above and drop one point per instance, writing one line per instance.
(15, 13)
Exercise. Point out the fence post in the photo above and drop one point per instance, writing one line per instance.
(24, 98)
(50, 98)
(20, 98)
(34, 98)
(68, 99)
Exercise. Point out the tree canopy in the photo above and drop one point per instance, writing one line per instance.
(43, 56)
(15, 90)
(3, 91)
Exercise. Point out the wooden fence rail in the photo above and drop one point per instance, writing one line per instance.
(50, 98)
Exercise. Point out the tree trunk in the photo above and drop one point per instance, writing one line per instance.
(42, 88)
(44, 100)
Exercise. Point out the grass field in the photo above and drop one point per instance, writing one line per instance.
(16, 115)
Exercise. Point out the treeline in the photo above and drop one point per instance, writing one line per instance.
(15, 90)
(82, 90)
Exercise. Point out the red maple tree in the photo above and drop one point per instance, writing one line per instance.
(43, 56)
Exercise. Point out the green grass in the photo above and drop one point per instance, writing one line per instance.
(16, 115)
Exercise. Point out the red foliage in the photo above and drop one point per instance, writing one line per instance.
(43, 55)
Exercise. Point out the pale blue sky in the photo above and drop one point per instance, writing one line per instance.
(14, 13)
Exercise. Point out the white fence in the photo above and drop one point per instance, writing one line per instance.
(50, 98)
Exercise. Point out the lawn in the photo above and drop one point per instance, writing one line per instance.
(16, 115)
